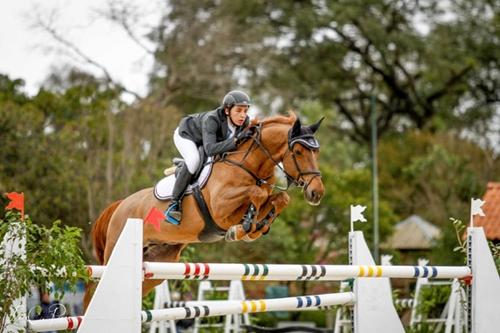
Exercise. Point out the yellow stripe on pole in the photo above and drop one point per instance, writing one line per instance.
(370, 270)
(379, 271)
(254, 306)
(361, 271)
(244, 307)
(263, 305)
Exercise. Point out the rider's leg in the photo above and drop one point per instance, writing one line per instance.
(189, 151)
(181, 183)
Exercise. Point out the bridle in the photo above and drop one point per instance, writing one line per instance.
(306, 140)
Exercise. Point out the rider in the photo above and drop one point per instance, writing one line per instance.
(218, 131)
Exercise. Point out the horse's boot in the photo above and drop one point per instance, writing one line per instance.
(173, 214)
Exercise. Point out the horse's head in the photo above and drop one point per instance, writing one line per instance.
(300, 161)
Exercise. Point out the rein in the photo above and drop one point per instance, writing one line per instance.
(257, 143)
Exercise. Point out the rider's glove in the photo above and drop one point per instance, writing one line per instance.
(244, 135)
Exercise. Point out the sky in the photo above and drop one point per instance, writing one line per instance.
(30, 54)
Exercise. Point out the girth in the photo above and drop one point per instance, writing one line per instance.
(211, 232)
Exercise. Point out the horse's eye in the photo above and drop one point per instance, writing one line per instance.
(298, 153)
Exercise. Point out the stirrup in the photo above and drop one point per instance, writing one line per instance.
(169, 218)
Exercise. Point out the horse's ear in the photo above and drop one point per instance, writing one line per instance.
(314, 127)
(296, 129)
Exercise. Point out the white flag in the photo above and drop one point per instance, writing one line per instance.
(475, 208)
(357, 213)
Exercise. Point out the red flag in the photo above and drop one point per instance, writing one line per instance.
(16, 202)
(155, 217)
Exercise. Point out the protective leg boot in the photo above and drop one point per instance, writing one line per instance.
(174, 210)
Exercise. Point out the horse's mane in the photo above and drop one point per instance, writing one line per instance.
(279, 119)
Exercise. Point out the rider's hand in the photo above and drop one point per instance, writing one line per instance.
(244, 135)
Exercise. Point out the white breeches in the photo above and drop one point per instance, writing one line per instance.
(188, 150)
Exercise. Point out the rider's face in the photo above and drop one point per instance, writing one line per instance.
(238, 114)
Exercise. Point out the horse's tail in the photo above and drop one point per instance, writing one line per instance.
(100, 229)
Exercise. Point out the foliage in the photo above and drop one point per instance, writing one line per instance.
(52, 257)
(76, 148)
(428, 65)
(434, 175)
(431, 303)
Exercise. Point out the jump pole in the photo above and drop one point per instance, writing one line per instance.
(115, 306)
(209, 309)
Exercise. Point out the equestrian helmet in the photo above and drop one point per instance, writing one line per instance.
(236, 97)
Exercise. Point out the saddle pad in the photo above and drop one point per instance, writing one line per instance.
(163, 189)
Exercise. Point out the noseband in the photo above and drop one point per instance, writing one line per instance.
(306, 140)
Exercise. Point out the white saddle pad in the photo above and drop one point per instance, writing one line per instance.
(163, 189)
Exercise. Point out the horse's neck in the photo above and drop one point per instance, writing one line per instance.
(274, 140)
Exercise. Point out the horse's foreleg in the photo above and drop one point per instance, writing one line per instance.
(257, 197)
(268, 213)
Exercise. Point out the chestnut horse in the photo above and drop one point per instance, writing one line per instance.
(239, 180)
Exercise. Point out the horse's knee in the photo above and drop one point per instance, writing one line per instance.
(258, 196)
(280, 201)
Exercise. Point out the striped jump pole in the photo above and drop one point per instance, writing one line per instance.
(286, 272)
(261, 272)
(236, 307)
(211, 309)
(182, 304)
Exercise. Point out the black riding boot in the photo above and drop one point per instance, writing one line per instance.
(174, 210)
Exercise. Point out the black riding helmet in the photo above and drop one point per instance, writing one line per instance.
(236, 97)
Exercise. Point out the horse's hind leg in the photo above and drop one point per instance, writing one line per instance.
(160, 253)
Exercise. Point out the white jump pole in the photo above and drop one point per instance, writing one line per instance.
(283, 272)
(236, 307)
(206, 309)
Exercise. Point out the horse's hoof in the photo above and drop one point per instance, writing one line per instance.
(230, 235)
(247, 239)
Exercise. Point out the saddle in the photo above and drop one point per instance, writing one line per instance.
(163, 189)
